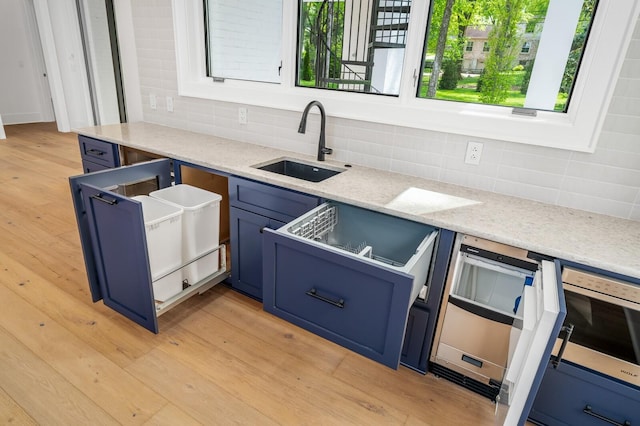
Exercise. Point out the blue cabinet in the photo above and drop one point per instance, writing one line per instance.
(246, 248)
(254, 207)
(572, 395)
(113, 238)
(414, 338)
(97, 154)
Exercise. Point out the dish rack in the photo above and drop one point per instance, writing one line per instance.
(322, 227)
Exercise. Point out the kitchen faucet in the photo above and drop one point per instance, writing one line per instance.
(322, 149)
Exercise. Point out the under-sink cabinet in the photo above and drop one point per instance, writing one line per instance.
(348, 274)
(117, 256)
(255, 207)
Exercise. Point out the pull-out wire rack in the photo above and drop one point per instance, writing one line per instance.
(322, 227)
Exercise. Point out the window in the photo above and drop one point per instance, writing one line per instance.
(355, 45)
(546, 80)
(577, 128)
(469, 46)
(244, 39)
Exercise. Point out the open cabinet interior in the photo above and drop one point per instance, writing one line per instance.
(220, 185)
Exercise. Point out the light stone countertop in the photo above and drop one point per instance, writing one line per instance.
(592, 239)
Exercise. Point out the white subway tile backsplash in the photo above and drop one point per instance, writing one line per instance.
(526, 190)
(607, 181)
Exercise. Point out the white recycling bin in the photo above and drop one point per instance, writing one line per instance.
(163, 228)
(200, 228)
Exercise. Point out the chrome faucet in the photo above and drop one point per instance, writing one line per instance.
(322, 149)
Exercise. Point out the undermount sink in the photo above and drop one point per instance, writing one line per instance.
(299, 170)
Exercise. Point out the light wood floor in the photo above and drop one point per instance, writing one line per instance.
(218, 359)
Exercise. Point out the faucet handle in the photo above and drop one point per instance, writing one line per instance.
(326, 150)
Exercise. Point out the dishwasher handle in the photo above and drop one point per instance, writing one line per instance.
(314, 293)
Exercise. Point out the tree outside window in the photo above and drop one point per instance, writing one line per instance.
(511, 32)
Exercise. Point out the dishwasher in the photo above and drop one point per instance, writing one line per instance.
(482, 302)
(348, 274)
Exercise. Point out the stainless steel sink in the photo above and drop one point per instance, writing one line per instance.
(299, 170)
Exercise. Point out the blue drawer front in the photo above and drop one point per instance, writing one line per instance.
(99, 152)
(276, 203)
(358, 305)
(90, 166)
(566, 392)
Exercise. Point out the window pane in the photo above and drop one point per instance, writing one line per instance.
(530, 57)
(244, 39)
(352, 45)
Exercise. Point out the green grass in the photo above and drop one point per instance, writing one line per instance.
(466, 92)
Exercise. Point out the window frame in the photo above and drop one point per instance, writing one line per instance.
(578, 129)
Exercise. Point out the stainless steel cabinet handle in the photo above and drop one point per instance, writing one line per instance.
(588, 410)
(568, 330)
(95, 152)
(104, 200)
(314, 293)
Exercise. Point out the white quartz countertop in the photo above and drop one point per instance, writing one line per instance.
(592, 239)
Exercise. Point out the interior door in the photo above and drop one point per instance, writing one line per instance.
(530, 345)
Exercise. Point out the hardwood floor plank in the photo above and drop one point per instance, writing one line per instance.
(171, 415)
(117, 338)
(44, 394)
(284, 387)
(11, 412)
(201, 398)
(107, 385)
(417, 394)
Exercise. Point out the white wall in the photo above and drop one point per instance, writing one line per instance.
(25, 93)
(64, 57)
(2, 134)
(100, 61)
(607, 181)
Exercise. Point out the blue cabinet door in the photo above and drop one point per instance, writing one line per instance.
(246, 251)
(354, 303)
(159, 170)
(414, 337)
(119, 244)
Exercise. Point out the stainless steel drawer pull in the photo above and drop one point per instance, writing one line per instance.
(95, 152)
(314, 293)
(104, 200)
(587, 410)
(568, 331)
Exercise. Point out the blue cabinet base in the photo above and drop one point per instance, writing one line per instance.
(571, 395)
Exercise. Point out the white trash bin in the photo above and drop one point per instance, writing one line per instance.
(200, 227)
(163, 229)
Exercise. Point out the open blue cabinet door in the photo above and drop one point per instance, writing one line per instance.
(531, 344)
(118, 238)
(159, 169)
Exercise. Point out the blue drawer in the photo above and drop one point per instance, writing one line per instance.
(571, 395)
(270, 201)
(99, 152)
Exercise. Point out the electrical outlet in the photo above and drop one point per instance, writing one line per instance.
(153, 102)
(242, 115)
(169, 104)
(474, 152)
